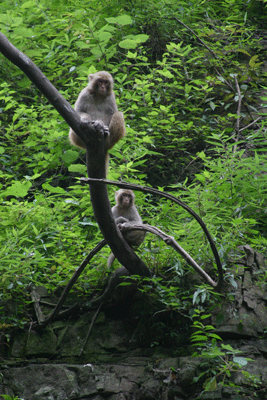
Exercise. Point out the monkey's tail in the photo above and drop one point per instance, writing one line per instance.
(111, 259)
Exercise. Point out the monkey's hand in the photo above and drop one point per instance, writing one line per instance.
(104, 127)
(99, 125)
(121, 220)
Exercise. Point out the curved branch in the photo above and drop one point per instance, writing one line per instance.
(169, 240)
(122, 271)
(145, 189)
(72, 281)
(93, 136)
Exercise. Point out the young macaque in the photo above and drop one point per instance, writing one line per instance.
(96, 102)
(126, 211)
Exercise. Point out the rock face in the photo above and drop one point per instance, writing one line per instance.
(134, 353)
(246, 315)
(116, 382)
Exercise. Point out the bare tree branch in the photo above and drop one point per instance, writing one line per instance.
(72, 281)
(169, 240)
(93, 136)
(89, 330)
(145, 189)
(122, 272)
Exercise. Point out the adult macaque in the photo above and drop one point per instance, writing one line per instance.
(126, 211)
(97, 102)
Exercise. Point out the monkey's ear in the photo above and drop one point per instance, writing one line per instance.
(91, 77)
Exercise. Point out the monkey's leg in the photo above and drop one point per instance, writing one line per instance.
(116, 129)
(75, 139)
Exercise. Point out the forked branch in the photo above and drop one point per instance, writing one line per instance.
(94, 138)
(153, 191)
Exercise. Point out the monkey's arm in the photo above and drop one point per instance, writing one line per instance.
(84, 105)
(84, 99)
(116, 129)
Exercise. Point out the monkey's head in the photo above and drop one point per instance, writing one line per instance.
(124, 198)
(101, 83)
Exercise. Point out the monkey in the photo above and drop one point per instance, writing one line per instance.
(126, 211)
(96, 102)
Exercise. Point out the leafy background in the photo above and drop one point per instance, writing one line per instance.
(190, 78)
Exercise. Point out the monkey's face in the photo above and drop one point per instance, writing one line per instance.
(103, 87)
(101, 83)
(126, 200)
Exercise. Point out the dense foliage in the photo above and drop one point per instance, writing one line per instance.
(190, 79)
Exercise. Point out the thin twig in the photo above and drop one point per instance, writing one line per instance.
(209, 49)
(198, 38)
(90, 328)
(249, 125)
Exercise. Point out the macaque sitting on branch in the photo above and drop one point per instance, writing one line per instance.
(96, 102)
(126, 211)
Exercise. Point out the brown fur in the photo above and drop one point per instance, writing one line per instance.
(126, 211)
(97, 102)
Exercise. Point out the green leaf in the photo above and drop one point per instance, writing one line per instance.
(199, 338)
(18, 189)
(227, 347)
(83, 45)
(104, 36)
(80, 168)
(240, 360)
(70, 156)
(121, 20)
(141, 38)
(24, 32)
(210, 384)
(213, 335)
(53, 189)
(28, 4)
(165, 73)
(131, 55)
(128, 44)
